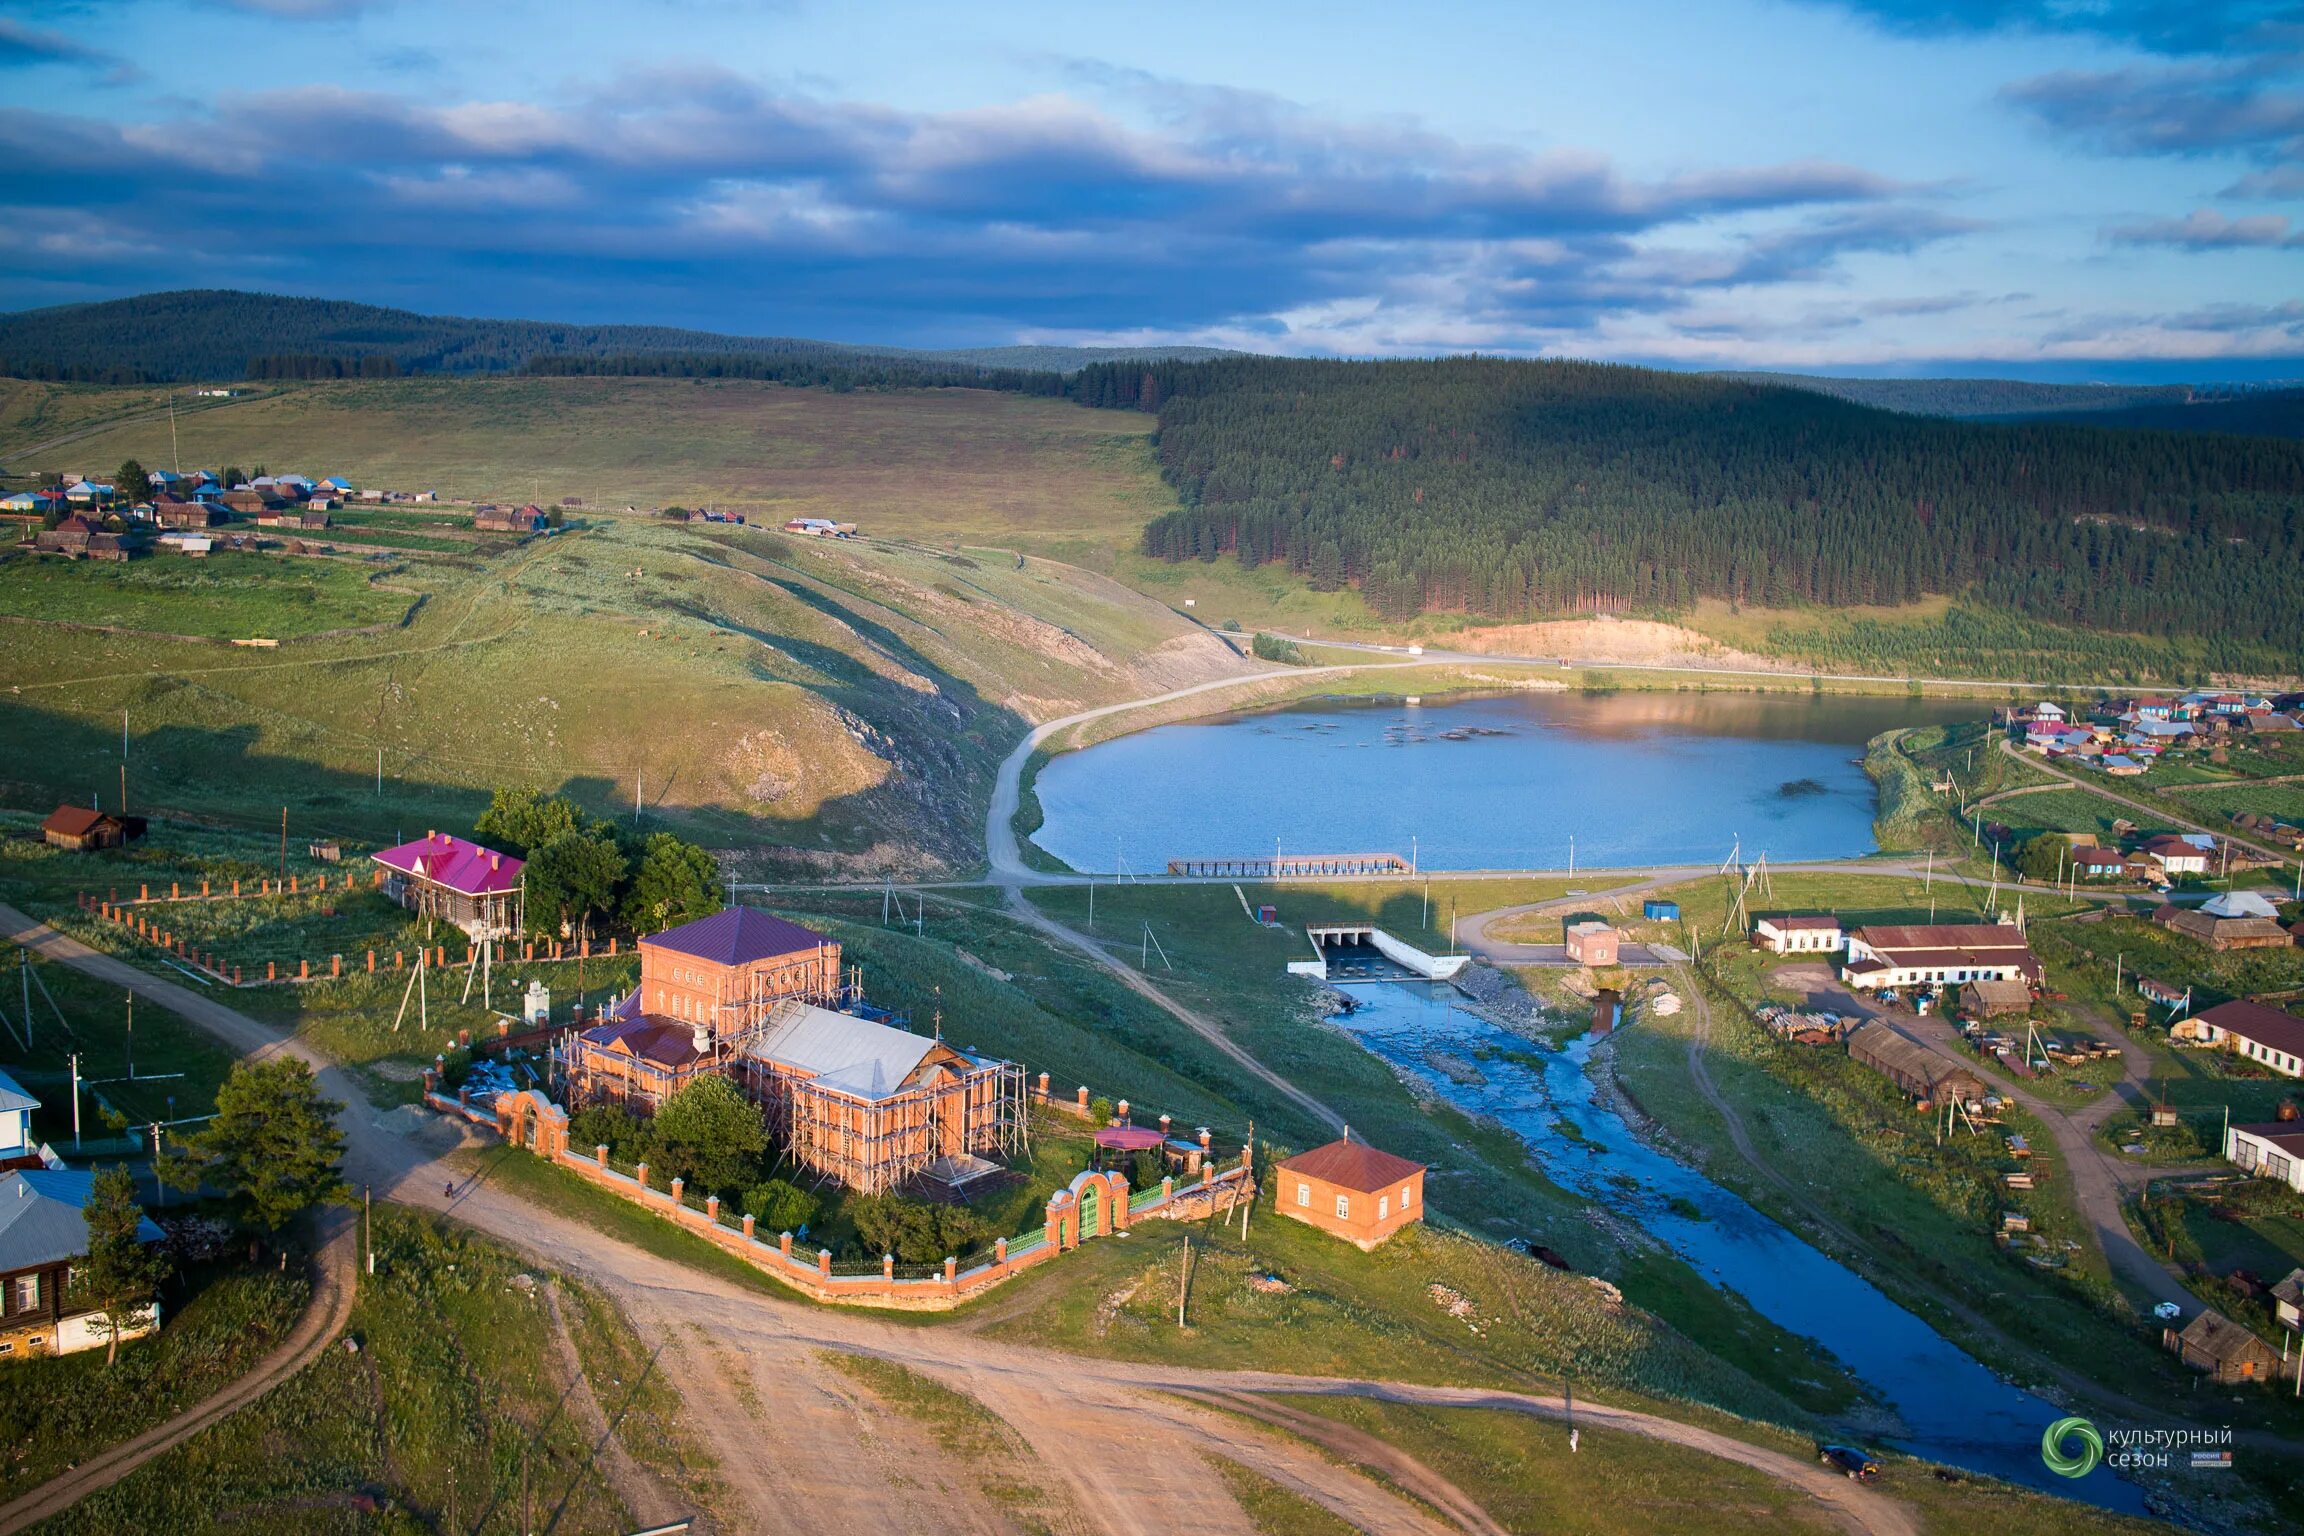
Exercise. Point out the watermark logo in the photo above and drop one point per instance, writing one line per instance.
(2072, 1447)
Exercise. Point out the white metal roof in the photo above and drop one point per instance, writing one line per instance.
(872, 1061)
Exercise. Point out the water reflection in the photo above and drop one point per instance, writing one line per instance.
(1505, 781)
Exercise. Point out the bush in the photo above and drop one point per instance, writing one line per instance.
(1274, 648)
(1100, 1111)
(777, 1206)
(627, 1139)
(711, 1135)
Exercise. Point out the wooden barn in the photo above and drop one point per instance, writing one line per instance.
(1911, 1066)
(81, 829)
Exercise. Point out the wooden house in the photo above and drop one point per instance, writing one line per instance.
(1352, 1190)
(43, 1229)
(81, 829)
(476, 888)
(1911, 1066)
(2228, 1352)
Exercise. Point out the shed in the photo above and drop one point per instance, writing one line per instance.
(1660, 911)
(1592, 943)
(1989, 999)
(2228, 1352)
(1352, 1190)
(81, 829)
(1910, 1065)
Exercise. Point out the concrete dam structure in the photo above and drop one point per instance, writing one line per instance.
(1364, 952)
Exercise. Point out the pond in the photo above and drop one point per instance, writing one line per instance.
(1505, 781)
(1953, 1410)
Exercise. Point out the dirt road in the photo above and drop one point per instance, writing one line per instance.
(1110, 1434)
(324, 1317)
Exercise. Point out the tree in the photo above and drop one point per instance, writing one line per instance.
(2043, 857)
(777, 1206)
(234, 475)
(131, 481)
(520, 821)
(611, 1126)
(573, 877)
(121, 1270)
(677, 882)
(273, 1145)
(914, 1230)
(711, 1135)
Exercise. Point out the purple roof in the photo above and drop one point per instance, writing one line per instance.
(738, 936)
(455, 863)
(1129, 1138)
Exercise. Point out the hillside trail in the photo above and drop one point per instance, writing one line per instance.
(1047, 1396)
(325, 1314)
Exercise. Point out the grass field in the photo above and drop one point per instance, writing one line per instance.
(223, 597)
(450, 1404)
(217, 1322)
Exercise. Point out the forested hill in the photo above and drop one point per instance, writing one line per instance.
(217, 334)
(1515, 490)
(1974, 398)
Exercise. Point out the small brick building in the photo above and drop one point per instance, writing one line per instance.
(1592, 943)
(1352, 1190)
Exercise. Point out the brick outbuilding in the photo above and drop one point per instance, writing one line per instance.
(1352, 1190)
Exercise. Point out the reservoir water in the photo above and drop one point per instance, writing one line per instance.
(1487, 782)
(1953, 1409)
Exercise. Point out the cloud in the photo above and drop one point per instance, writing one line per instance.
(2253, 108)
(2204, 229)
(747, 208)
(2162, 26)
(24, 47)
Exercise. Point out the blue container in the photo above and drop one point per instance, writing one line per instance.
(1661, 911)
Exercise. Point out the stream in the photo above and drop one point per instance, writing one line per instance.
(1953, 1410)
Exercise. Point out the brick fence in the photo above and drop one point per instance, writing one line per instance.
(1099, 1202)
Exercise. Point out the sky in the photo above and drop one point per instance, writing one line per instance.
(2066, 189)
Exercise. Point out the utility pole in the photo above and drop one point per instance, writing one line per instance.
(131, 1037)
(75, 1101)
(159, 1190)
(283, 844)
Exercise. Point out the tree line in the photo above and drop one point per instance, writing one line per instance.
(1515, 490)
(830, 371)
(586, 870)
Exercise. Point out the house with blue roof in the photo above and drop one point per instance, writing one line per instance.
(16, 1108)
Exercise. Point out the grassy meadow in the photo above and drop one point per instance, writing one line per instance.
(226, 596)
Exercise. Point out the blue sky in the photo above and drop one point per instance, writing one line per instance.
(2069, 189)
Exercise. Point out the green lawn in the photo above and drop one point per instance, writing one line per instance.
(228, 595)
(173, 1060)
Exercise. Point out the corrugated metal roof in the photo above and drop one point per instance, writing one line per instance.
(41, 1220)
(1353, 1165)
(456, 863)
(839, 1050)
(737, 936)
(13, 1096)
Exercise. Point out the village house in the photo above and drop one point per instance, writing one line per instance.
(2227, 920)
(1992, 999)
(176, 512)
(69, 537)
(477, 889)
(2288, 1301)
(1798, 933)
(492, 519)
(1911, 1066)
(2273, 1150)
(2261, 1034)
(287, 515)
(2228, 1352)
(42, 1230)
(81, 828)
(1900, 956)
(16, 1145)
(2176, 855)
(1351, 1190)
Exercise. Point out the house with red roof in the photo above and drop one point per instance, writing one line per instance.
(456, 880)
(1352, 1190)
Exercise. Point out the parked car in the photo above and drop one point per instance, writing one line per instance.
(1851, 1461)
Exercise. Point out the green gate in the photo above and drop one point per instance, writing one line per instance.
(1091, 1211)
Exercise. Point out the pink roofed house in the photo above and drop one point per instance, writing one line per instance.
(452, 878)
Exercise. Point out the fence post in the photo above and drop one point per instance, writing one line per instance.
(143, 893)
(888, 1268)
(371, 962)
(1120, 1111)
(1083, 1101)
(678, 1184)
(600, 1153)
(1040, 1094)
(235, 975)
(235, 887)
(611, 946)
(203, 890)
(712, 1210)
(640, 1175)
(1000, 1251)
(1167, 1190)
(783, 1241)
(292, 882)
(951, 1270)
(171, 890)
(271, 970)
(303, 970)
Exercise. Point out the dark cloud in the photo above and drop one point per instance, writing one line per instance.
(2162, 26)
(728, 204)
(2204, 229)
